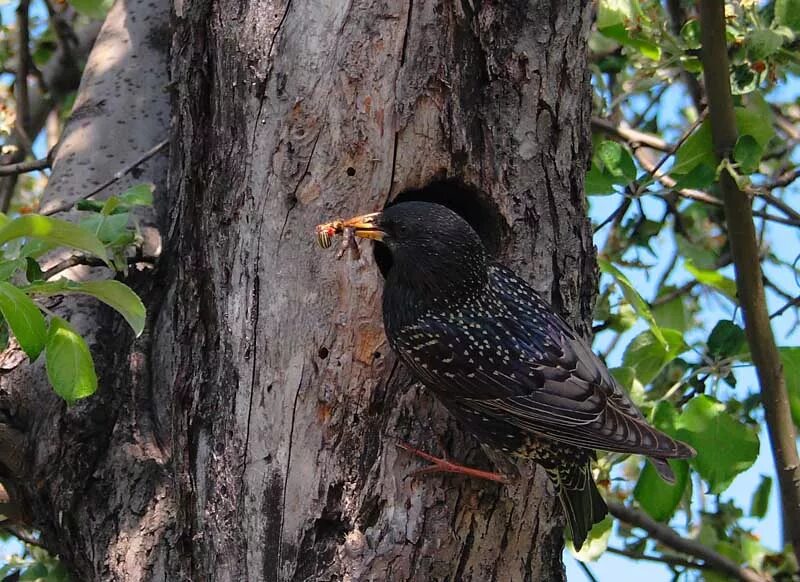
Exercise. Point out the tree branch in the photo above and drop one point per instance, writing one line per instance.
(24, 167)
(668, 560)
(629, 135)
(23, 67)
(66, 205)
(666, 535)
(749, 282)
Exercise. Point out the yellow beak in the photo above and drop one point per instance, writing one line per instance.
(365, 226)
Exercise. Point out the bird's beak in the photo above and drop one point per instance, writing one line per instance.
(365, 226)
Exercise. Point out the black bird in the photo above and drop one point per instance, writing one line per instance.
(512, 371)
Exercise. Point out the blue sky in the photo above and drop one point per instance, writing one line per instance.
(785, 243)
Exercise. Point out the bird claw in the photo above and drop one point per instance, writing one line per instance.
(439, 465)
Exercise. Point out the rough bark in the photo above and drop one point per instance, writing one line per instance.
(252, 437)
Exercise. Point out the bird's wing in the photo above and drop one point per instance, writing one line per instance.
(525, 365)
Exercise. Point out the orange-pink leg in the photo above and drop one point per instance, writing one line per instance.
(445, 466)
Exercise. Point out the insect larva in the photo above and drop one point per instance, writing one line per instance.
(326, 232)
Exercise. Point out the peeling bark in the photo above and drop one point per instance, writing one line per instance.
(251, 435)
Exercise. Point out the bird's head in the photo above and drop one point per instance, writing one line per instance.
(426, 247)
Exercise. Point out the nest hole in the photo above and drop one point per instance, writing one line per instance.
(472, 204)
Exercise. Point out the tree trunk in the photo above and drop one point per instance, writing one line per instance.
(253, 436)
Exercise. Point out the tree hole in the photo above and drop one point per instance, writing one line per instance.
(323, 353)
(351, 171)
(473, 205)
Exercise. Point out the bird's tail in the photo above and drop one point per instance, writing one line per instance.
(583, 505)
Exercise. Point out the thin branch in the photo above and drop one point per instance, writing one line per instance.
(666, 535)
(63, 206)
(634, 139)
(784, 179)
(618, 213)
(587, 571)
(749, 282)
(789, 304)
(24, 167)
(629, 135)
(675, 293)
(23, 69)
(779, 204)
(84, 260)
(668, 560)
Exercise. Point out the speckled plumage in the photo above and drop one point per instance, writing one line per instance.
(504, 363)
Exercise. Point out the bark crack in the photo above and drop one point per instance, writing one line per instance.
(406, 34)
(269, 70)
(293, 196)
(288, 466)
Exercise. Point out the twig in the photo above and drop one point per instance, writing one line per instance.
(668, 560)
(779, 204)
(666, 535)
(63, 206)
(23, 69)
(629, 135)
(587, 571)
(675, 293)
(24, 167)
(784, 179)
(789, 304)
(749, 282)
(619, 212)
(84, 260)
(686, 134)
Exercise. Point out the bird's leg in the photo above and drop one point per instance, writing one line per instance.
(439, 465)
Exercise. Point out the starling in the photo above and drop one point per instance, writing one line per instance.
(511, 370)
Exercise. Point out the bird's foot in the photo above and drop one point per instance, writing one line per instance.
(439, 465)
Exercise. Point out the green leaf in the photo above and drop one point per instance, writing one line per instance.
(33, 271)
(763, 43)
(690, 33)
(633, 297)
(596, 541)
(715, 280)
(790, 358)
(696, 150)
(725, 446)
(107, 228)
(612, 12)
(647, 355)
(756, 121)
(699, 177)
(3, 334)
(760, 501)
(747, 154)
(69, 363)
(139, 195)
(118, 296)
(597, 183)
(53, 231)
(671, 314)
(92, 8)
(8, 268)
(726, 340)
(24, 318)
(787, 13)
(617, 161)
(113, 293)
(657, 497)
